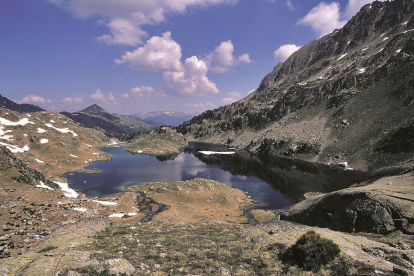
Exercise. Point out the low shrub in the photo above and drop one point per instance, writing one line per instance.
(310, 252)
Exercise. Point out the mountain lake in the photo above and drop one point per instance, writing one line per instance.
(275, 184)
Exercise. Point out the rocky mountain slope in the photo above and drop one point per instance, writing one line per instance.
(347, 96)
(35, 149)
(50, 142)
(96, 117)
(6, 103)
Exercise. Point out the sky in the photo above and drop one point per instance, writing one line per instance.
(131, 56)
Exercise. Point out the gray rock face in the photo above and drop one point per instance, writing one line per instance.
(382, 207)
(117, 267)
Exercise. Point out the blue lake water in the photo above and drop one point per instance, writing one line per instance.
(276, 186)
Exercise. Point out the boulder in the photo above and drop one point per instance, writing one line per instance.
(382, 207)
(117, 267)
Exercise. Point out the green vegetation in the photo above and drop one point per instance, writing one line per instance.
(310, 252)
(180, 249)
(207, 248)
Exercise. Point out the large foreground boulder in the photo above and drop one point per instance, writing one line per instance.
(385, 206)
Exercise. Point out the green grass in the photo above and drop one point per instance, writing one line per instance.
(180, 249)
(200, 249)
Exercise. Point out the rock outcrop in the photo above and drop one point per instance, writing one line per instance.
(376, 254)
(57, 252)
(385, 206)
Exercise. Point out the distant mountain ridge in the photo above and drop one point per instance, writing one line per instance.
(21, 108)
(345, 97)
(167, 118)
(96, 117)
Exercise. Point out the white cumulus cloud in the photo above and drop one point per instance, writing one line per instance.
(33, 99)
(159, 54)
(139, 93)
(72, 100)
(285, 51)
(124, 32)
(99, 97)
(191, 81)
(125, 18)
(222, 58)
(324, 18)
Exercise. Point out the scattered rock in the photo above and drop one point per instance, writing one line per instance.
(224, 271)
(73, 273)
(117, 267)
(143, 267)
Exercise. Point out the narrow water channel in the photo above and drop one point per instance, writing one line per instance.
(276, 185)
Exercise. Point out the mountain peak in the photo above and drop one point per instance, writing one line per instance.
(93, 109)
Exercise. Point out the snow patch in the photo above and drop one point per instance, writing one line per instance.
(105, 202)
(22, 122)
(68, 191)
(120, 215)
(44, 141)
(342, 56)
(216, 152)
(15, 149)
(398, 51)
(41, 130)
(39, 161)
(132, 214)
(73, 155)
(362, 70)
(408, 31)
(385, 38)
(43, 185)
(80, 209)
(3, 136)
(63, 130)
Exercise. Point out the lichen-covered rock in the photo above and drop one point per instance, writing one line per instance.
(117, 267)
(382, 207)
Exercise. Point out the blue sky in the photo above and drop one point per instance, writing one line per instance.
(133, 56)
